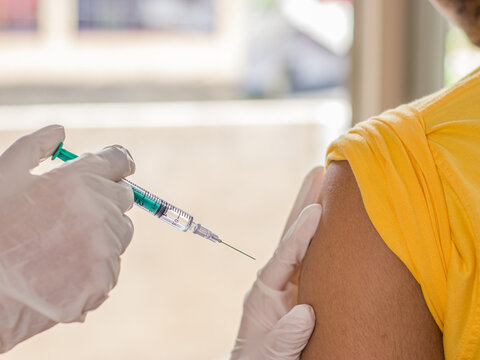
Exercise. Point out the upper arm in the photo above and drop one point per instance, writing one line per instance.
(366, 302)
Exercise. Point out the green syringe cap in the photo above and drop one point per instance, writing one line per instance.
(63, 154)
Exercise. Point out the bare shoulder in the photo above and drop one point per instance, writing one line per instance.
(367, 304)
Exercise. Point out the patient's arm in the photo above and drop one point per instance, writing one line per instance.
(367, 304)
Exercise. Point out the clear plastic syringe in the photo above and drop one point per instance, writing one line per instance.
(158, 207)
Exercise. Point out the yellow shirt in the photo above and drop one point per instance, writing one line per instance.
(418, 170)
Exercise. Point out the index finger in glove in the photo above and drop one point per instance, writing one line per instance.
(292, 248)
(120, 193)
(290, 335)
(308, 194)
(113, 163)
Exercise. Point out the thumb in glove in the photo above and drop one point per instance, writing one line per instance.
(290, 334)
(29, 150)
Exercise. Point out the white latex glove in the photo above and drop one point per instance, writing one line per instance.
(270, 327)
(61, 234)
(308, 194)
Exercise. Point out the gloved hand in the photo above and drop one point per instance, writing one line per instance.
(61, 234)
(308, 194)
(270, 327)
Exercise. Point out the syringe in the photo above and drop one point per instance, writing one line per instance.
(158, 207)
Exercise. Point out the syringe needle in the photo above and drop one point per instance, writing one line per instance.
(230, 246)
(207, 234)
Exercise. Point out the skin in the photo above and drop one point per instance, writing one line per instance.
(464, 13)
(367, 304)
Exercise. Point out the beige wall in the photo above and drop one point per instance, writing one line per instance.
(237, 171)
(59, 54)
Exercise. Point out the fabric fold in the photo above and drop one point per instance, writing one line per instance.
(418, 171)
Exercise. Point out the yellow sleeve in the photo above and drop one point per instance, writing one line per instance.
(418, 170)
(403, 196)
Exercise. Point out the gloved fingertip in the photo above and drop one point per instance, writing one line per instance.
(308, 218)
(55, 127)
(312, 210)
(47, 128)
(58, 132)
(290, 334)
(124, 149)
(55, 131)
(314, 174)
(29, 150)
(304, 315)
(129, 157)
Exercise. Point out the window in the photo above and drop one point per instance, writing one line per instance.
(297, 46)
(18, 15)
(461, 56)
(163, 15)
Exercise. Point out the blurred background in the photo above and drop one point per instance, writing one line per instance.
(225, 106)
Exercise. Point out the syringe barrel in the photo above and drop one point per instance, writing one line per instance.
(160, 208)
(144, 199)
